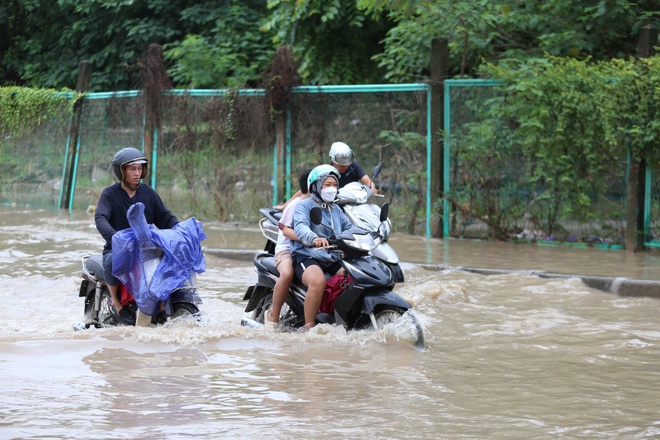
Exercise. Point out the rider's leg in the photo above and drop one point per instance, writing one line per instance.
(128, 317)
(114, 293)
(111, 281)
(285, 268)
(314, 278)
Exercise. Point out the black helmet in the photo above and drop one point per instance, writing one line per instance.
(127, 156)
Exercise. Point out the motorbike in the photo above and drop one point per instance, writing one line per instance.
(367, 302)
(161, 292)
(99, 311)
(353, 198)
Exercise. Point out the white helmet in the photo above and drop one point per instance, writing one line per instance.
(341, 154)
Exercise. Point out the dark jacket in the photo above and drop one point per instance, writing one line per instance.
(113, 205)
(353, 173)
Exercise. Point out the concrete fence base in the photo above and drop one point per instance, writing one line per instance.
(618, 286)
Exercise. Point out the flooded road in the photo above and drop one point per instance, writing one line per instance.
(511, 355)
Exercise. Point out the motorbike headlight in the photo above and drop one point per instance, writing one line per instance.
(364, 242)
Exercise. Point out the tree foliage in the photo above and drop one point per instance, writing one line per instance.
(548, 144)
(479, 30)
(334, 40)
(226, 49)
(23, 110)
(211, 44)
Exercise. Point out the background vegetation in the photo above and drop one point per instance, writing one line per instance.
(549, 148)
(575, 100)
(220, 44)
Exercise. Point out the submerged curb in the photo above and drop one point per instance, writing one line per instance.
(616, 285)
(234, 254)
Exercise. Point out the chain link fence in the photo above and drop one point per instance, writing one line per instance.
(382, 128)
(495, 194)
(216, 158)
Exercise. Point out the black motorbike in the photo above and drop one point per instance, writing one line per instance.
(98, 302)
(368, 301)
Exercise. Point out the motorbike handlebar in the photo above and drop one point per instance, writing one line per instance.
(331, 240)
(376, 234)
(332, 246)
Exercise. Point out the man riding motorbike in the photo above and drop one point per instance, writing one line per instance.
(342, 158)
(129, 166)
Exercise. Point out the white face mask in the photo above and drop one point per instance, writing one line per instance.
(329, 194)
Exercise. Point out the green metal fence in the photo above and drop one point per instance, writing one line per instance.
(387, 125)
(489, 188)
(217, 156)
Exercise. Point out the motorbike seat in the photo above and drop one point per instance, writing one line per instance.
(94, 265)
(272, 214)
(269, 263)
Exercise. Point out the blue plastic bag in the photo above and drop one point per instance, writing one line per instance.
(175, 253)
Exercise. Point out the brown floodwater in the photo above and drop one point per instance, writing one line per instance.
(509, 355)
(551, 257)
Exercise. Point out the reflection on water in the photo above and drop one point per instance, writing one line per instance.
(542, 257)
(507, 355)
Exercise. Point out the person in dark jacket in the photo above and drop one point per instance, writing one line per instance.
(129, 166)
(342, 158)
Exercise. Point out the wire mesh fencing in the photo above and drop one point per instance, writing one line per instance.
(382, 128)
(500, 190)
(217, 155)
(31, 163)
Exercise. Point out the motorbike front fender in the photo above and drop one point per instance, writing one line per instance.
(256, 293)
(371, 300)
(186, 296)
(385, 252)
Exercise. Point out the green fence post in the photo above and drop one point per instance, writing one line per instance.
(636, 192)
(439, 72)
(275, 188)
(446, 219)
(287, 179)
(647, 207)
(74, 171)
(154, 158)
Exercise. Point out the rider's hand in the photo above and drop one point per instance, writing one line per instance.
(320, 242)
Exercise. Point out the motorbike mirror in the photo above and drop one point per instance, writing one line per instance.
(384, 211)
(316, 216)
(376, 171)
